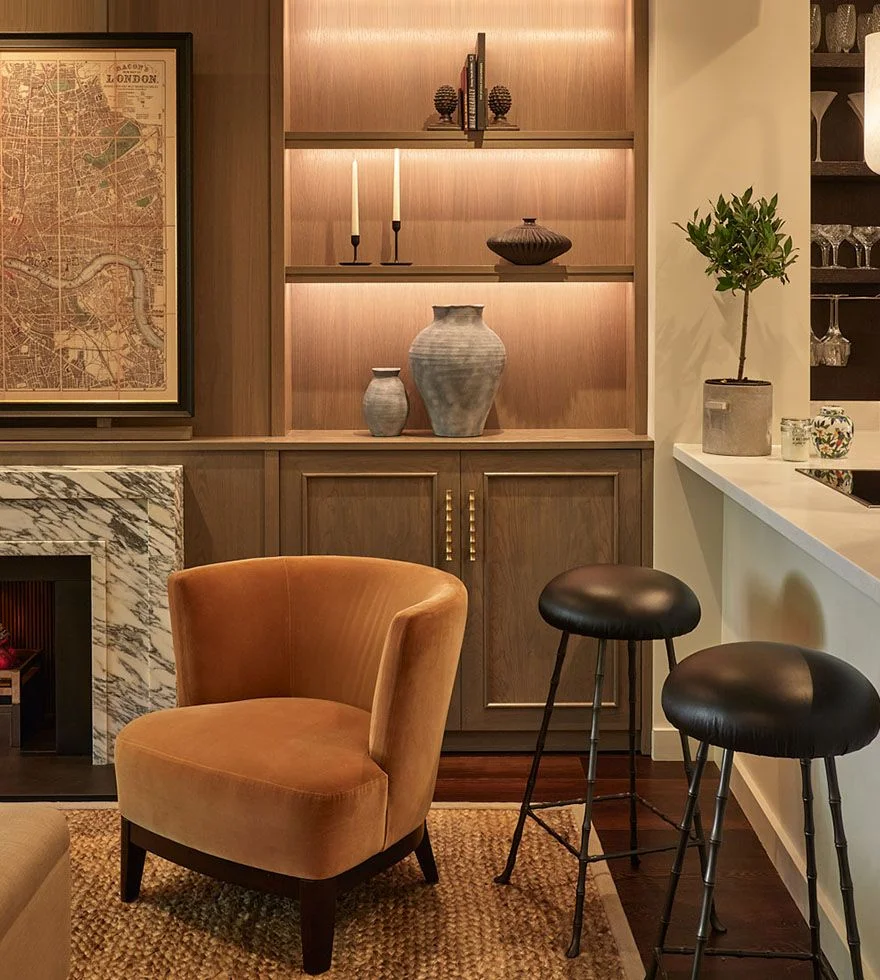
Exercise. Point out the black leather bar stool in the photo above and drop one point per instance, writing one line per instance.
(783, 702)
(608, 602)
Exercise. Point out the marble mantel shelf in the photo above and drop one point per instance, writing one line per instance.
(129, 521)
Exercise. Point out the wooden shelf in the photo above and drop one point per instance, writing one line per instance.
(843, 170)
(865, 277)
(551, 272)
(456, 139)
(855, 62)
(491, 439)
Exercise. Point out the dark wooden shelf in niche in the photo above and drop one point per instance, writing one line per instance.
(835, 62)
(845, 276)
(462, 273)
(843, 170)
(457, 139)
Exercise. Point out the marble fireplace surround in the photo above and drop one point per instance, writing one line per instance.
(129, 521)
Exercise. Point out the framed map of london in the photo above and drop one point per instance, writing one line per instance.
(95, 224)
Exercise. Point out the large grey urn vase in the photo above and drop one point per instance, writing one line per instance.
(457, 362)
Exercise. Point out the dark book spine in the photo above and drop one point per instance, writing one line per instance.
(462, 98)
(482, 108)
(472, 91)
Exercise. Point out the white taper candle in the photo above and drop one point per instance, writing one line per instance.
(395, 198)
(355, 210)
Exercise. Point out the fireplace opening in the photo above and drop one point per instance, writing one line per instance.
(45, 655)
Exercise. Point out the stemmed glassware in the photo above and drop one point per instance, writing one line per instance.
(818, 237)
(856, 102)
(834, 347)
(836, 235)
(819, 102)
(866, 237)
(845, 27)
(815, 25)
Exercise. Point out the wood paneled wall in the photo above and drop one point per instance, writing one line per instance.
(452, 201)
(234, 278)
(573, 332)
(374, 52)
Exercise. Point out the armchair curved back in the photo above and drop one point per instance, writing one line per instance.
(384, 636)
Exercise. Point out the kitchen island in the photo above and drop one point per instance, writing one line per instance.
(801, 564)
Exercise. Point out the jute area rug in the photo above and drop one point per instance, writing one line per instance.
(188, 927)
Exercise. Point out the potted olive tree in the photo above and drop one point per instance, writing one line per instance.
(743, 240)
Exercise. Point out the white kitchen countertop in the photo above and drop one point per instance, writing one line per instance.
(841, 533)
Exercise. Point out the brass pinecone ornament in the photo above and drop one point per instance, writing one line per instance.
(445, 102)
(500, 102)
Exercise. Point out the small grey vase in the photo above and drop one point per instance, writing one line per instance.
(385, 405)
(457, 362)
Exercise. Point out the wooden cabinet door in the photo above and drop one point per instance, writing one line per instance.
(526, 517)
(382, 504)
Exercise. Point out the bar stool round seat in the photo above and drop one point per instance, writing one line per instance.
(619, 602)
(773, 699)
(609, 603)
(782, 702)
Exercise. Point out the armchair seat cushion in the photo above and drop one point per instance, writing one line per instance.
(282, 784)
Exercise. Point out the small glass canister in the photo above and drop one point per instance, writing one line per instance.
(796, 438)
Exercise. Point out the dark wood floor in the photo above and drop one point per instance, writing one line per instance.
(752, 901)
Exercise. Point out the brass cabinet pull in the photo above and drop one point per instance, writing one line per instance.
(472, 525)
(449, 552)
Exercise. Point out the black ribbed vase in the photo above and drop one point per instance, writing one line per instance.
(529, 244)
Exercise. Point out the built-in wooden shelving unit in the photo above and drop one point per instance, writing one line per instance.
(358, 80)
(844, 191)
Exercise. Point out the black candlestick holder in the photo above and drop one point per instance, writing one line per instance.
(355, 241)
(395, 227)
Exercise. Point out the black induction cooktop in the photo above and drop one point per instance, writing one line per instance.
(861, 485)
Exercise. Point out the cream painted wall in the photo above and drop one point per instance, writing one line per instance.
(774, 590)
(730, 87)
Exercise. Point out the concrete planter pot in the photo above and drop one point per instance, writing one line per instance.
(737, 416)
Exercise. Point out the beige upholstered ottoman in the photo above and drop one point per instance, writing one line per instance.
(34, 893)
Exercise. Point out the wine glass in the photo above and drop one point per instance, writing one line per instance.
(856, 102)
(818, 237)
(845, 26)
(819, 102)
(874, 19)
(867, 237)
(815, 349)
(835, 347)
(837, 235)
(816, 25)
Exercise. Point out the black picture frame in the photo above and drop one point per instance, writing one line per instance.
(184, 405)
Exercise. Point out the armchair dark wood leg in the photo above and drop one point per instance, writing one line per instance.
(318, 916)
(131, 865)
(425, 857)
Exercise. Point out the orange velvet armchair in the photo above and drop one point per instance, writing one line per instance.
(313, 695)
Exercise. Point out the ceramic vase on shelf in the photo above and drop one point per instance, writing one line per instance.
(457, 362)
(832, 432)
(529, 244)
(385, 405)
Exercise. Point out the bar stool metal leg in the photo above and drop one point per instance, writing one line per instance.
(812, 875)
(577, 926)
(672, 661)
(678, 864)
(712, 860)
(632, 653)
(846, 882)
(504, 877)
